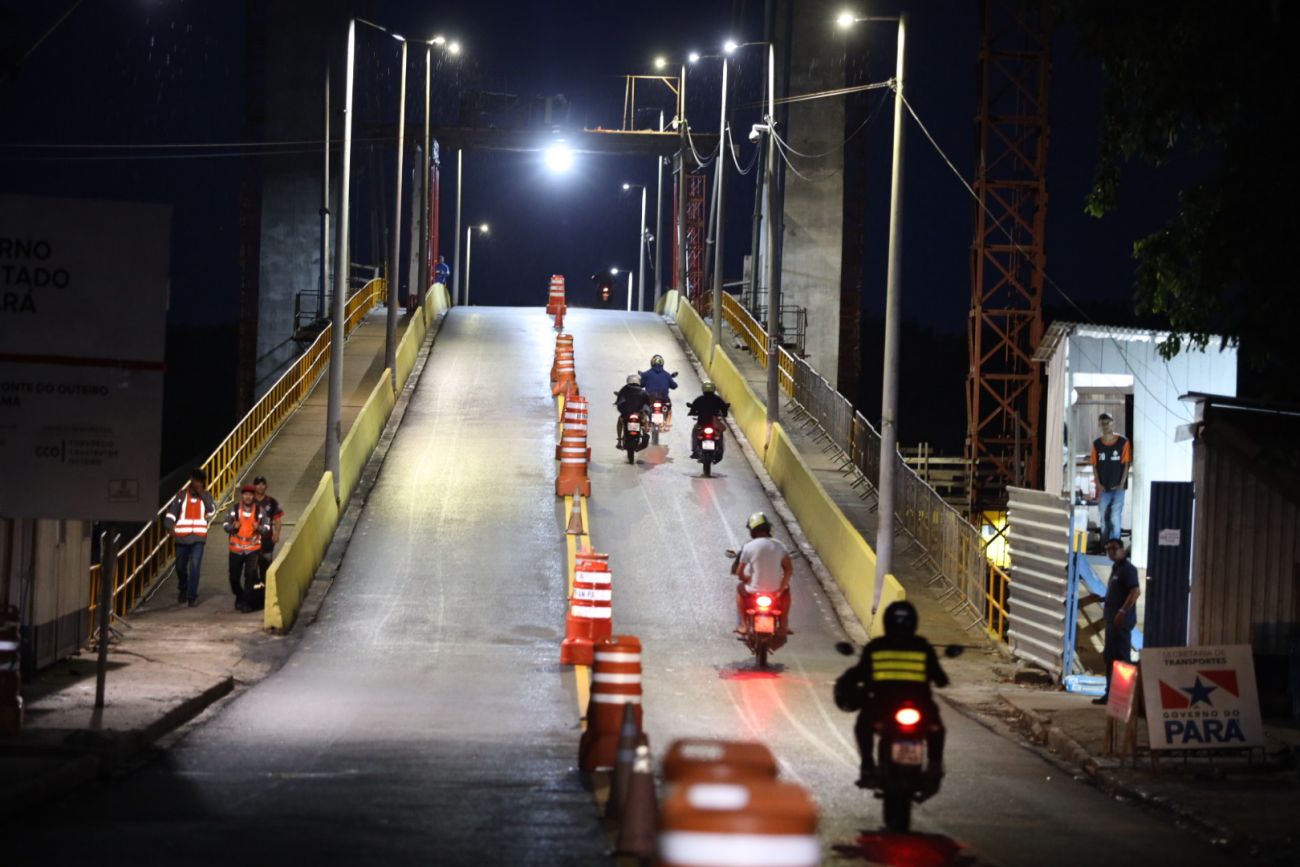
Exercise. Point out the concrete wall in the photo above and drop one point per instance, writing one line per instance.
(813, 236)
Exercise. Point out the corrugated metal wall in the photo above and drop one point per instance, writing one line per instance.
(1039, 600)
(1246, 558)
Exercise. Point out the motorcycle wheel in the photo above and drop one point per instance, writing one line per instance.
(631, 454)
(654, 435)
(898, 810)
(760, 651)
(708, 467)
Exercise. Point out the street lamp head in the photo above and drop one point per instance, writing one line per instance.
(613, 271)
(559, 157)
(438, 40)
(627, 186)
(661, 62)
(483, 228)
(693, 57)
(845, 20)
(730, 46)
(453, 47)
(399, 37)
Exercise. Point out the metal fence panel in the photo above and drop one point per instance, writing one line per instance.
(1039, 603)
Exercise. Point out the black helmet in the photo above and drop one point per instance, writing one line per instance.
(900, 618)
(657, 361)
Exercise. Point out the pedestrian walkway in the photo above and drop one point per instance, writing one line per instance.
(1249, 808)
(172, 661)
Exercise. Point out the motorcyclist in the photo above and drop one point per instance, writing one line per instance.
(706, 408)
(629, 399)
(763, 564)
(657, 383)
(895, 668)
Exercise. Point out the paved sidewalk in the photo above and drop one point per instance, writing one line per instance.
(1252, 809)
(173, 661)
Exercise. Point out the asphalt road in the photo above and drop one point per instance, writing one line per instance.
(425, 719)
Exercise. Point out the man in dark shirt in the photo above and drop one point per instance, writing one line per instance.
(1111, 456)
(270, 506)
(1119, 610)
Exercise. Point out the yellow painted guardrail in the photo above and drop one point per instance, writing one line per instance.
(846, 554)
(301, 554)
(149, 552)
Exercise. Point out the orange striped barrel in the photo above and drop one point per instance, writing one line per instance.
(555, 299)
(590, 617)
(718, 761)
(615, 682)
(739, 824)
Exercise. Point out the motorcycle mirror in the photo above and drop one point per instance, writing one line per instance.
(843, 648)
(732, 554)
(952, 651)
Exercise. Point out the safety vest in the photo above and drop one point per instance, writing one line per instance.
(906, 665)
(246, 538)
(193, 522)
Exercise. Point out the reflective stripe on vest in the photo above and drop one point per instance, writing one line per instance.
(906, 665)
(246, 539)
(193, 520)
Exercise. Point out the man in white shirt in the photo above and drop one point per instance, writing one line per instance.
(762, 565)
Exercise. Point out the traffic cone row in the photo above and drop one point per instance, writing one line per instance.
(555, 300)
(559, 316)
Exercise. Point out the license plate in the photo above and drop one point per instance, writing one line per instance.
(657, 418)
(708, 445)
(634, 427)
(907, 752)
(765, 623)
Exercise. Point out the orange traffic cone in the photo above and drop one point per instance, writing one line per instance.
(573, 473)
(563, 347)
(559, 317)
(615, 681)
(576, 527)
(636, 833)
(628, 740)
(564, 375)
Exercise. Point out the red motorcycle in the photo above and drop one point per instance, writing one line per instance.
(636, 434)
(708, 441)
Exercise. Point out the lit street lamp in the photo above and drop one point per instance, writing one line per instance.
(469, 252)
(641, 251)
(889, 458)
(452, 48)
(614, 272)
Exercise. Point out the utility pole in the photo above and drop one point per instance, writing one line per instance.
(325, 209)
(659, 221)
(640, 257)
(681, 185)
(769, 258)
(719, 176)
(333, 421)
(395, 267)
(425, 192)
(455, 254)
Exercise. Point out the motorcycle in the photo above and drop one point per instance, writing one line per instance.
(660, 406)
(707, 437)
(902, 765)
(764, 628)
(636, 434)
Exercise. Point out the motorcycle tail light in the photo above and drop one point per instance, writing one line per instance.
(708, 431)
(658, 404)
(764, 602)
(907, 716)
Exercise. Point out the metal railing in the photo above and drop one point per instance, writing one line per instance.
(149, 552)
(947, 542)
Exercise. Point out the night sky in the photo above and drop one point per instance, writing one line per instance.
(173, 72)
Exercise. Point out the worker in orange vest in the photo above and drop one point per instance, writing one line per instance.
(246, 523)
(187, 521)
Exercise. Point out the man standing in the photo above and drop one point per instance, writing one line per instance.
(272, 512)
(1119, 610)
(442, 272)
(1111, 456)
(187, 521)
(245, 525)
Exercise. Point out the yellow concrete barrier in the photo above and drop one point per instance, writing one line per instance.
(409, 348)
(296, 562)
(838, 543)
(361, 440)
(667, 303)
(436, 302)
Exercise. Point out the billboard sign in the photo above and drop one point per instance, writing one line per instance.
(1201, 698)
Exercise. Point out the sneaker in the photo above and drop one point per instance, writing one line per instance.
(180, 597)
(193, 603)
(240, 606)
(1101, 699)
(866, 779)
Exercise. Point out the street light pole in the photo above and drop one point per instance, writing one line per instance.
(455, 254)
(681, 184)
(640, 257)
(659, 221)
(769, 258)
(469, 252)
(394, 269)
(334, 411)
(325, 210)
(719, 176)
(425, 192)
(889, 459)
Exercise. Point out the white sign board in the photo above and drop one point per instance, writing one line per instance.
(83, 314)
(1201, 698)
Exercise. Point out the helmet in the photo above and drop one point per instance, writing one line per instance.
(758, 522)
(657, 361)
(633, 379)
(709, 388)
(900, 618)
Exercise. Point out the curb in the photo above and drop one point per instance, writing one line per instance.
(848, 620)
(1042, 730)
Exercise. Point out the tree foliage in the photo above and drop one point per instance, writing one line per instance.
(1211, 89)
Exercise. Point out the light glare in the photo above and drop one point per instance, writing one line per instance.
(845, 19)
(559, 158)
(660, 62)
(730, 46)
(453, 48)
(693, 57)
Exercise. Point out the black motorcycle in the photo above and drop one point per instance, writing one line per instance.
(708, 440)
(636, 434)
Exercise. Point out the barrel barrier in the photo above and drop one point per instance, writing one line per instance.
(724, 802)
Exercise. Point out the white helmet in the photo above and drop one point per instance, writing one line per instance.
(633, 379)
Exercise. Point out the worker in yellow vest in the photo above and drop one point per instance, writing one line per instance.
(245, 524)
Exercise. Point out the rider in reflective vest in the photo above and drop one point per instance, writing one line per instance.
(246, 523)
(896, 668)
